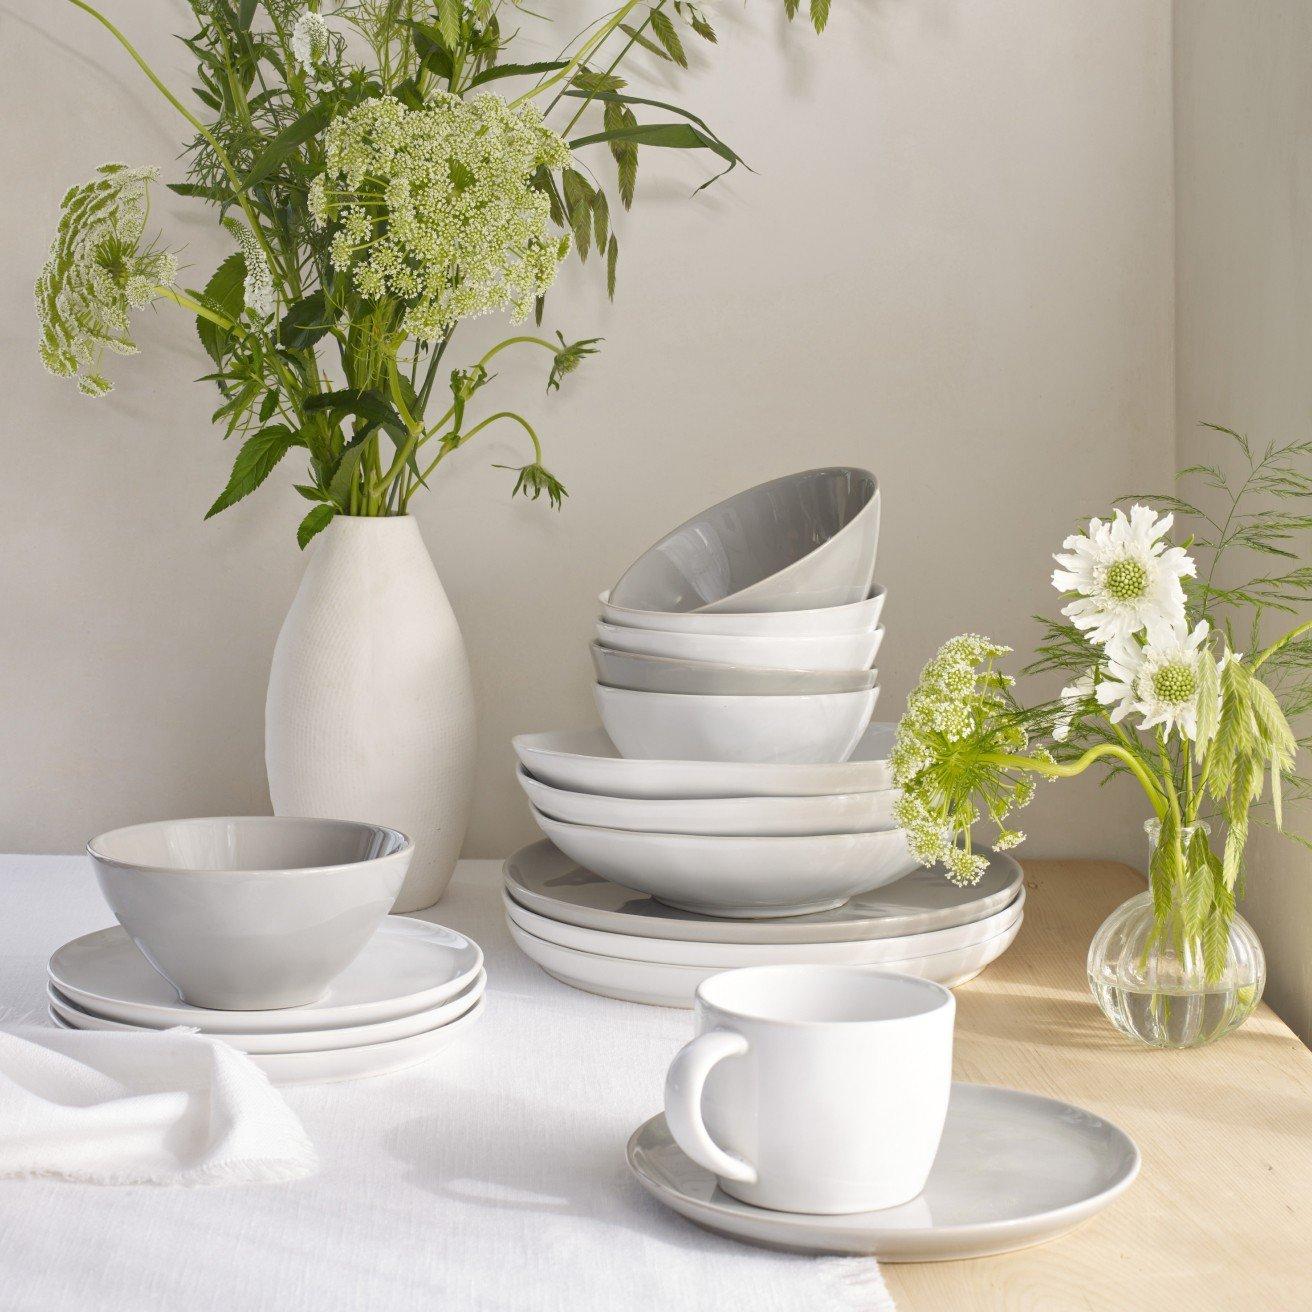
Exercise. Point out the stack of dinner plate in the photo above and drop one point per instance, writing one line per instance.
(414, 989)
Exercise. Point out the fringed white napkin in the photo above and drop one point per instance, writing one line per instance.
(173, 1107)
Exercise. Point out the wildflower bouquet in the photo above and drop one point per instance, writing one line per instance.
(380, 187)
(1159, 688)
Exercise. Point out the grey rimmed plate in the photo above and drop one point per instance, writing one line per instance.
(543, 879)
(1013, 1169)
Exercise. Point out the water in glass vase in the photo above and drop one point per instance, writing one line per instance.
(1153, 985)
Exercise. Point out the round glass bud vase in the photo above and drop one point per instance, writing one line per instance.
(1153, 985)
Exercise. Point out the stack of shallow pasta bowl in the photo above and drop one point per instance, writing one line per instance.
(737, 807)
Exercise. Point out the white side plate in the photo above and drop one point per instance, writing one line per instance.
(730, 956)
(543, 879)
(661, 985)
(1013, 1170)
(407, 966)
(586, 761)
(348, 1036)
(329, 1067)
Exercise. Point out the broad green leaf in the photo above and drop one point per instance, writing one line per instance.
(255, 461)
(312, 122)
(315, 522)
(305, 322)
(433, 50)
(339, 489)
(224, 293)
(355, 401)
(308, 492)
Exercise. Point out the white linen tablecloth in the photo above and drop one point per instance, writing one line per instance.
(492, 1178)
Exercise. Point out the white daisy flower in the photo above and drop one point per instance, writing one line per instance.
(1158, 680)
(1126, 577)
(1072, 697)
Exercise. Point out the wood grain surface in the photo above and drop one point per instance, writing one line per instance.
(1219, 1217)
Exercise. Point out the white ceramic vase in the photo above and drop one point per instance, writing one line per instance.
(370, 712)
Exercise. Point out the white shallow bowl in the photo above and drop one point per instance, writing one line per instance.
(543, 879)
(832, 651)
(660, 984)
(858, 617)
(250, 912)
(1012, 1169)
(322, 1040)
(336, 1064)
(729, 817)
(407, 966)
(731, 956)
(806, 728)
(623, 669)
(795, 543)
(586, 761)
(738, 877)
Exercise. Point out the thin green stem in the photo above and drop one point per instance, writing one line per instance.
(1055, 770)
(587, 49)
(1289, 637)
(186, 302)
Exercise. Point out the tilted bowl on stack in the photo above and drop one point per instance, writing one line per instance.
(737, 809)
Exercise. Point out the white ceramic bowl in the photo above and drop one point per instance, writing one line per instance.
(858, 617)
(586, 761)
(729, 817)
(741, 878)
(799, 542)
(833, 651)
(622, 669)
(250, 912)
(807, 727)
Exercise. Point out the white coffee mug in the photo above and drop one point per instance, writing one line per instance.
(815, 1088)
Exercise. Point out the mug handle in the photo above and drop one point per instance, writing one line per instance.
(683, 1103)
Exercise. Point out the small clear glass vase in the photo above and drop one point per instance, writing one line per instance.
(1153, 986)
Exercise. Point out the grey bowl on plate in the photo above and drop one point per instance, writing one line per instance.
(800, 542)
(248, 913)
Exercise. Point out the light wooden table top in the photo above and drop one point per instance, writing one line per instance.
(1219, 1217)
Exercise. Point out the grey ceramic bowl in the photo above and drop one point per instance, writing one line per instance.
(622, 669)
(248, 913)
(800, 542)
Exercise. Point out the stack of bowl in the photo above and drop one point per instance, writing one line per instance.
(738, 807)
(269, 933)
(750, 632)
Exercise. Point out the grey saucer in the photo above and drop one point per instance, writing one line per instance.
(1014, 1169)
(545, 880)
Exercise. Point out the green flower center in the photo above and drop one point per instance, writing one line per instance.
(1127, 580)
(1174, 684)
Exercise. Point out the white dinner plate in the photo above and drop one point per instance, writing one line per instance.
(336, 1064)
(738, 877)
(347, 1036)
(543, 879)
(586, 761)
(729, 956)
(1013, 1169)
(731, 817)
(407, 966)
(660, 984)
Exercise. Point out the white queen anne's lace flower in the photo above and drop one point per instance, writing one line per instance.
(1125, 576)
(437, 207)
(1159, 680)
(96, 273)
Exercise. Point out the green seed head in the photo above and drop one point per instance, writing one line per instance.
(1127, 580)
(1174, 684)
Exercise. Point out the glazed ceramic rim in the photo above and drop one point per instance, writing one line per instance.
(404, 846)
(745, 492)
(876, 590)
(942, 998)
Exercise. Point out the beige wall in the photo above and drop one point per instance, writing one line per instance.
(953, 264)
(1244, 325)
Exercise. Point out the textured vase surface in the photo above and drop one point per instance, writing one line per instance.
(370, 712)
